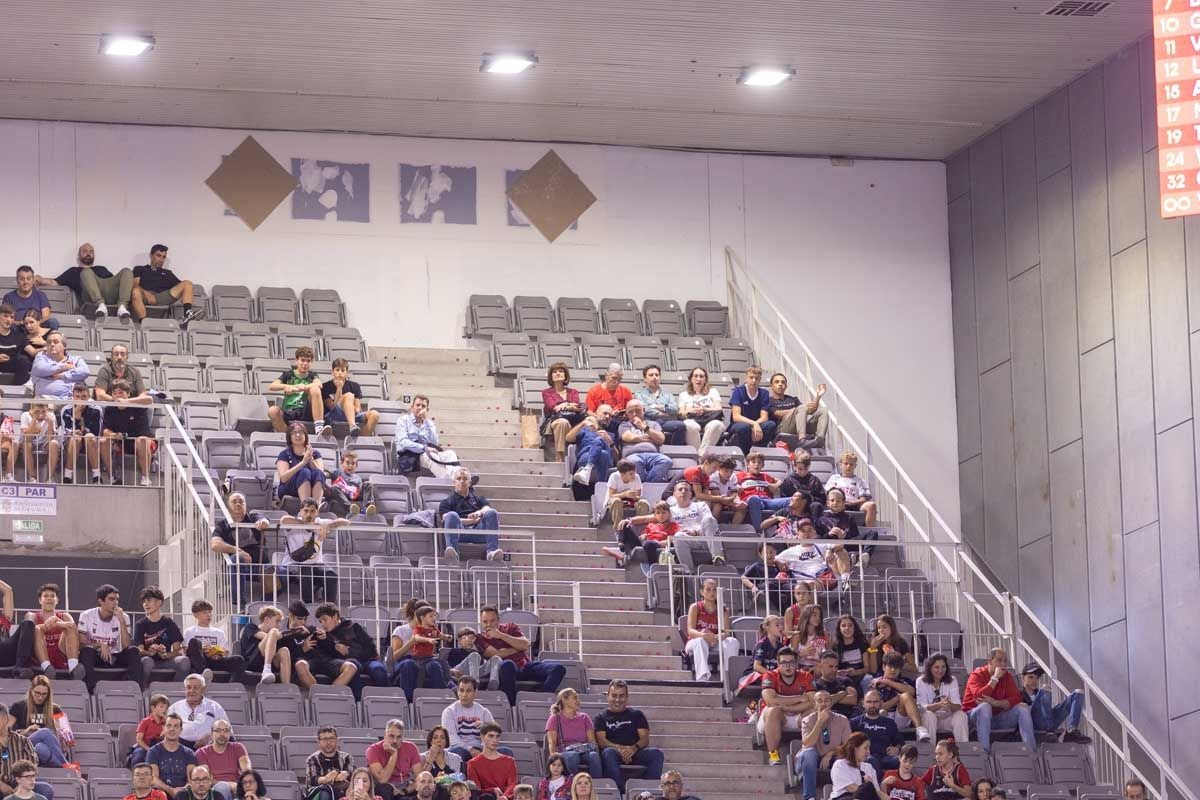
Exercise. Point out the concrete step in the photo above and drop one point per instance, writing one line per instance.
(579, 534)
(517, 474)
(649, 633)
(633, 618)
(575, 508)
(606, 674)
(570, 575)
(515, 519)
(498, 491)
(721, 730)
(445, 401)
(584, 546)
(690, 714)
(466, 416)
(508, 432)
(683, 755)
(451, 377)
(647, 662)
(565, 560)
(612, 591)
(739, 749)
(511, 455)
(495, 440)
(743, 780)
(593, 602)
(397, 357)
(623, 648)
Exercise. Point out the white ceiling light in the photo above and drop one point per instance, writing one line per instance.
(507, 63)
(125, 46)
(765, 76)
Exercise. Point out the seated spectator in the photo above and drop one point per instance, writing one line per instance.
(640, 440)
(158, 639)
(466, 660)
(56, 636)
(854, 489)
(149, 730)
(459, 790)
(200, 786)
(881, 732)
(35, 335)
(343, 401)
(94, 284)
(593, 446)
(105, 636)
(328, 769)
(947, 779)
(853, 775)
(569, 733)
(304, 555)
(346, 648)
(801, 480)
(625, 493)
(463, 508)
(301, 639)
(492, 771)
(758, 490)
(207, 648)
(1062, 719)
(750, 407)
(118, 368)
(39, 441)
(243, 544)
(888, 639)
(14, 359)
(672, 786)
(557, 783)
(804, 625)
(10, 435)
(813, 565)
(701, 477)
(985, 789)
(391, 762)
(709, 629)
(143, 784)
(823, 732)
(425, 786)
(363, 786)
(16, 641)
(438, 760)
(903, 783)
(463, 720)
(171, 759)
(623, 736)
(661, 406)
(198, 712)
(81, 421)
(36, 717)
(154, 284)
(299, 468)
(416, 661)
(264, 648)
(582, 788)
(24, 776)
(850, 644)
(700, 408)
(301, 390)
(843, 692)
(657, 528)
(1135, 790)
(128, 428)
(940, 701)
(417, 442)
(785, 700)
(251, 786)
(17, 758)
(763, 578)
(612, 393)
(992, 697)
(836, 523)
(808, 423)
(225, 759)
(766, 651)
(55, 373)
(28, 298)
(561, 408)
(505, 639)
(695, 519)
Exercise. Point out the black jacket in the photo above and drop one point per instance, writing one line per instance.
(810, 486)
(355, 636)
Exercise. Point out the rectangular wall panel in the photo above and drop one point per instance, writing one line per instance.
(1089, 191)
(1110, 663)
(1059, 321)
(1135, 387)
(958, 175)
(1037, 577)
(1180, 563)
(970, 484)
(1072, 611)
(1020, 193)
(1149, 109)
(1185, 755)
(966, 356)
(58, 224)
(1029, 407)
(1144, 625)
(1052, 126)
(1191, 247)
(999, 480)
(1102, 487)
(987, 225)
(1123, 126)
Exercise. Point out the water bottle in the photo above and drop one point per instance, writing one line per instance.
(825, 736)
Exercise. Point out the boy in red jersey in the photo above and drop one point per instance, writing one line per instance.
(903, 783)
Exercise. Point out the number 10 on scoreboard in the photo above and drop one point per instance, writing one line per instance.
(1177, 97)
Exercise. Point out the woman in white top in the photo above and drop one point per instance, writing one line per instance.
(700, 407)
(852, 775)
(939, 700)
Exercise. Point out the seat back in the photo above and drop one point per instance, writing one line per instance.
(663, 318)
(487, 314)
(577, 315)
(620, 317)
(278, 305)
(322, 307)
(533, 314)
(206, 338)
(230, 303)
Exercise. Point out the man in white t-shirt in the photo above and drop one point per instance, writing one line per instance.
(694, 519)
(208, 647)
(463, 718)
(104, 638)
(625, 493)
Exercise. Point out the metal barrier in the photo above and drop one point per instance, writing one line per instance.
(988, 610)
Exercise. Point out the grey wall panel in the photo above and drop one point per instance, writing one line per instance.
(1149, 112)
(1102, 487)
(1110, 663)
(1037, 577)
(1020, 193)
(1144, 625)
(1135, 387)
(958, 175)
(999, 480)
(1168, 309)
(987, 226)
(1185, 755)
(1072, 612)
(1031, 455)
(1191, 246)
(970, 486)
(962, 302)
(1089, 191)
(1057, 233)
(1052, 126)
(1180, 563)
(1123, 125)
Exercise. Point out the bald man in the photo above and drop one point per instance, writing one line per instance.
(93, 283)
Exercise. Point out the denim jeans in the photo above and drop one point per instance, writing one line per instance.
(594, 767)
(594, 452)
(743, 435)
(807, 764)
(983, 717)
(1048, 717)
(756, 505)
(489, 522)
(550, 673)
(49, 749)
(409, 670)
(650, 757)
(651, 467)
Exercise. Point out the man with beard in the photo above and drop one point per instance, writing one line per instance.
(93, 283)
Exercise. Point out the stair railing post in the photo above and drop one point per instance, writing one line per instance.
(577, 613)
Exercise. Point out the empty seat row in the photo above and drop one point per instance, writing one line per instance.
(512, 351)
(488, 315)
(277, 305)
(226, 376)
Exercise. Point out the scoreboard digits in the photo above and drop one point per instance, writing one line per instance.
(1177, 100)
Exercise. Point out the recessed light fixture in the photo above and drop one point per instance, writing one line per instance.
(765, 76)
(507, 63)
(125, 45)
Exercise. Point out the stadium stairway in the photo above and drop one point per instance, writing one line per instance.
(620, 638)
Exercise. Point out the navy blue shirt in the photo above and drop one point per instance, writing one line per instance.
(172, 767)
(621, 728)
(882, 732)
(887, 693)
(751, 409)
(91, 422)
(289, 455)
(461, 505)
(37, 300)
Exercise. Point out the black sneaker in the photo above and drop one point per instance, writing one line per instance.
(96, 479)
(197, 312)
(1077, 736)
(116, 480)
(67, 479)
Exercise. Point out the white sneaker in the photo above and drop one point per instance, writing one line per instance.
(450, 555)
(123, 312)
(864, 560)
(10, 478)
(922, 733)
(101, 311)
(208, 676)
(267, 677)
(584, 475)
(496, 555)
(145, 481)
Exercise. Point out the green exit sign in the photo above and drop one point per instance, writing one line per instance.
(28, 526)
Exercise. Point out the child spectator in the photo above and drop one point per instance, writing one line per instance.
(345, 491)
(659, 528)
(757, 490)
(38, 440)
(81, 422)
(467, 660)
(208, 647)
(301, 390)
(9, 436)
(421, 654)
(854, 488)
(902, 783)
(625, 493)
(492, 771)
(149, 730)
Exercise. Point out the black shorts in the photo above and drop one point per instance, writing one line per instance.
(329, 667)
(302, 414)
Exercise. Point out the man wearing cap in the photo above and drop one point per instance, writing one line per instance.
(1048, 717)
